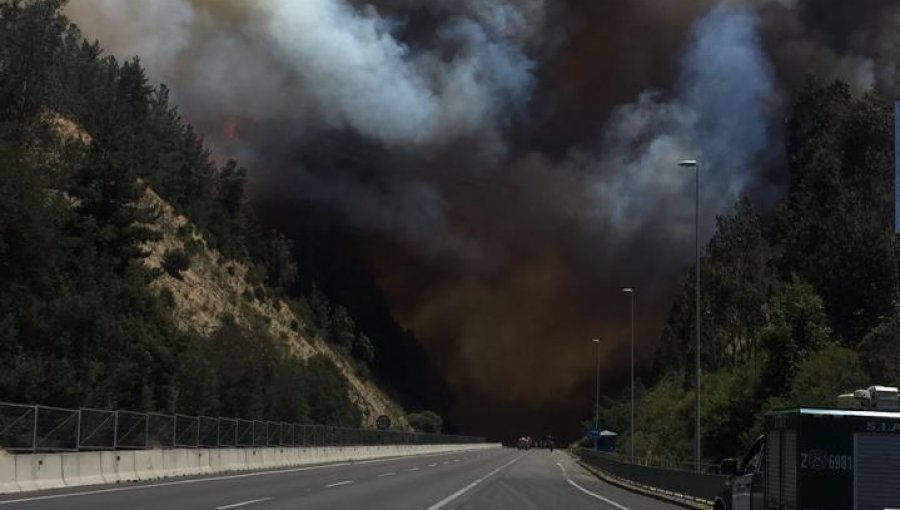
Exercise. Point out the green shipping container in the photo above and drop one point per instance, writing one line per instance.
(832, 459)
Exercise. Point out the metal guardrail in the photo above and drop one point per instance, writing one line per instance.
(669, 477)
(706, 467)
(34, 428)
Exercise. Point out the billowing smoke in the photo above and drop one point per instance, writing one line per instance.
(721, 113)
(506, 166)
(358, 75)
(325, 64)
(856, 43)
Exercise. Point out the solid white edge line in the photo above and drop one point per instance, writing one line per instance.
(338, 484)
(589, 493)
(242, 503)
(213, 479)
(467, 488)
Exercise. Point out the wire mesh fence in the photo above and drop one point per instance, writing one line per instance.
(662, 463)
(33, 428)
(160, 431)
(97, 429)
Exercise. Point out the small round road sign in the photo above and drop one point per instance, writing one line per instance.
(383, 422)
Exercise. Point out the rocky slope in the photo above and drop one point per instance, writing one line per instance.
(213, 288)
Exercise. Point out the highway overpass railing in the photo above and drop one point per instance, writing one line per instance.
(675, 478)
(35, 428)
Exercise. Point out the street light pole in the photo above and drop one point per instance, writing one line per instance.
(691, 163)
(631, 291)
(597, 394)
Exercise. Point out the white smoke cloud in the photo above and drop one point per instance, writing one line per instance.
(364, 78)
(157, 31)
(721, 113)
(327, 64)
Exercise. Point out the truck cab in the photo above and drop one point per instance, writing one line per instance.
(818, 459)
(744, 488)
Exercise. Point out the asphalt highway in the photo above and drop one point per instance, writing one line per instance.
(502, 479)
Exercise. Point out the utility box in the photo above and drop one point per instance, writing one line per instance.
(832, 459)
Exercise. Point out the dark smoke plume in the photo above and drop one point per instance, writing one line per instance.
(506, 166)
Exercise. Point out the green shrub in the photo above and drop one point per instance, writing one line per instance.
(167, 297)
(175, 262)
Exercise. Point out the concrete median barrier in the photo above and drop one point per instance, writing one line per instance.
(125, 466)
(226, 459)
(269, 457)
(202, 463)
(26, 472)
(108, 469)
(31, 472)
(175, 462)
(83, 468)
(148, 464)
(39, 472)
(308, 455)
(284, 458)
(193, 462)
(254, 458)
(215, 461)
(8, 482)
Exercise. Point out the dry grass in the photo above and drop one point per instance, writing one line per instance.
(212, 288)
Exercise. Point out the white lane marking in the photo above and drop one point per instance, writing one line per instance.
(338, 484)
(414, 469)
(382, 475)
(455, 460)
(213, 479)
(445, 462)
(432, 465)
(589, 493)
(242, 503)
(442, 503)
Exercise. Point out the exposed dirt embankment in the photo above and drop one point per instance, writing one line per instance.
(212, 288)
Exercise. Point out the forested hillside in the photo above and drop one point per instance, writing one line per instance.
(82, 138)
(799, 303)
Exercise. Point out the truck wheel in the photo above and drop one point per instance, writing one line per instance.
(720, 505)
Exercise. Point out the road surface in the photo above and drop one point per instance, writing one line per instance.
(500, 479)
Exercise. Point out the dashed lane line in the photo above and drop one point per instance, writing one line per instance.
(242, 503)
(444, 502)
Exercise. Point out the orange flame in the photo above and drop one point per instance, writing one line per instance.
(230, 128)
